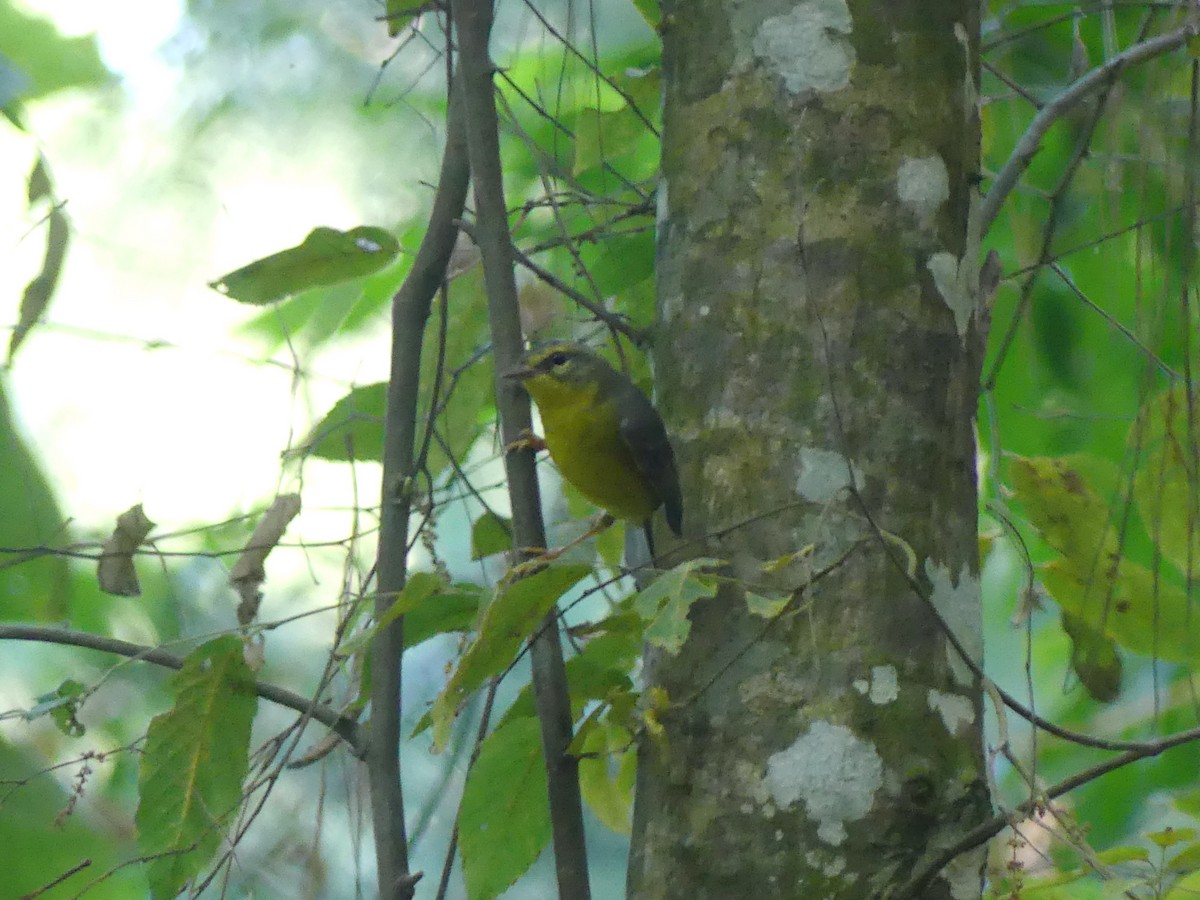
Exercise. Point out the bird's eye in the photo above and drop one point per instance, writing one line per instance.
(558, 359)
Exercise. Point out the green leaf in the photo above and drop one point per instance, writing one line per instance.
(62, 705)
(1186, 860)
(610, 545)
(766, 607)
(607, 770)
(651, 11)
(1114, 856)
(34, 585)
(619, 139)
(1106, 594)
(490, 534)
(1166, 497)
(601, 671)
(400, 13)
(352, 430)
(1136, 608)
(509, 619)
(49, 61)
(419, 588)
(504, 818)
(325, 257)
(442, 612)
(665, 602)
(36, 298)
(195, 758)
(1094, 658)
(39, 840)
(621, 262)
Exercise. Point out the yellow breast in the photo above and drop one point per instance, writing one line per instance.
(583, 436)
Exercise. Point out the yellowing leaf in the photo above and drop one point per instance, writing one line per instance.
(1167, 495)
(1063, 503)
(1169, 837)
(1140, 612)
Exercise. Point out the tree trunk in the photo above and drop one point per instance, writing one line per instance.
(818, 362)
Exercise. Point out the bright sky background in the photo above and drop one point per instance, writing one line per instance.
(138, 387)
(195, 429)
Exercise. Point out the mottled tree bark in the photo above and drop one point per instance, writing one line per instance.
(818, 362)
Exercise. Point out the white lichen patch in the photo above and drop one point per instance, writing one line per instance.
(885, 686)
(957, 600)
(829, 865)
(806, 47)
(956, 711)
(962, 874)
(830, 770)
(923, 185)
(953, 283)
(970, 95)
(823, 474)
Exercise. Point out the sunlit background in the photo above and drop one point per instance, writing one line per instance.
(188, 139)
(221, 132)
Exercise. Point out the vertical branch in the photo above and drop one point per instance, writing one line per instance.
(473, 22)
(410, 311)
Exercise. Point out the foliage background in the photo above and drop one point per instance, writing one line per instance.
(188, 140)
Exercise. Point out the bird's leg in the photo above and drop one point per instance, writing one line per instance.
(526, 441)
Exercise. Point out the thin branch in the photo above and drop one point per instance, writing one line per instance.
(612, 320)
(1079, 90)
(587, 61)
(481, 731)
(410, 312)
(1057, 209)
(473, 22)
(989, 829)
(344, 726)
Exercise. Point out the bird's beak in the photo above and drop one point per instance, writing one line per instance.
(519, 374)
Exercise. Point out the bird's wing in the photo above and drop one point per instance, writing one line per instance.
(644, 434)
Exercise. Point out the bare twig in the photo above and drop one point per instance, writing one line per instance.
(989, 829)
(410, 311)
(345, 726)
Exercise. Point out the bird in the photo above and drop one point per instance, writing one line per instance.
(605, 436)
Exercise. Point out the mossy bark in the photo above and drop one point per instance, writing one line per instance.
(818, 367)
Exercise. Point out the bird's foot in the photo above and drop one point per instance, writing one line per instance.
(526, 441)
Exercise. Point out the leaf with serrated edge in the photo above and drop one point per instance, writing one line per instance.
(195, 758)
(509, 619)
(504, 818)
(606, 775)
(665, 602)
